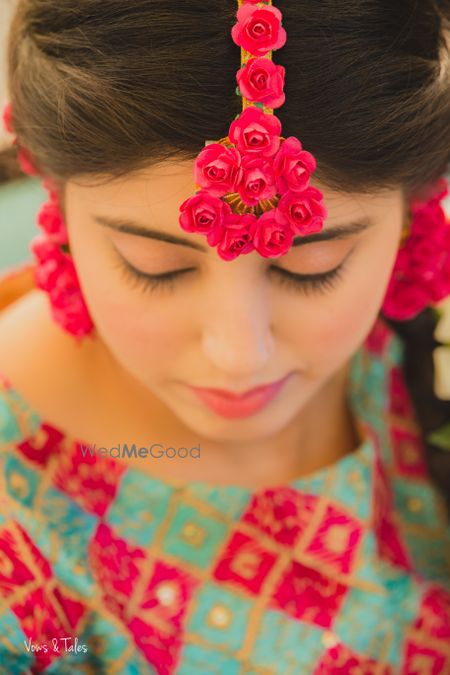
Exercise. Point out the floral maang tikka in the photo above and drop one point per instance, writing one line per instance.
(254, 189)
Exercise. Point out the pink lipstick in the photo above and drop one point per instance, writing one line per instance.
(228, 404)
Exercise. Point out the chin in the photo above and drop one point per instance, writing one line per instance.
(213, 427)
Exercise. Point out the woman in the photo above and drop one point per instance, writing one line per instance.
(151, 523)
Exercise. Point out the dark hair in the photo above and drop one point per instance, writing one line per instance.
(108, 87)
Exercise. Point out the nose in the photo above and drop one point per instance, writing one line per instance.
(237, 336)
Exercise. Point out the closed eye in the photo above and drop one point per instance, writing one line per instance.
(306, 283)
(309, 283)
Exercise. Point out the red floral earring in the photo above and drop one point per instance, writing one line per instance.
(421, 274)
(55, 271)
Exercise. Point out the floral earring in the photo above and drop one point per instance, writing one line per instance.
(421, 274)
(421, 278)
(55, 271)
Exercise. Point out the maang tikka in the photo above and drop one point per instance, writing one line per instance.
(254, 189)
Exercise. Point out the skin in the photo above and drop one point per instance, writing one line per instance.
(230, 325)
(226, 325)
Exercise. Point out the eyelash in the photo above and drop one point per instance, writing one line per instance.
(310, 283)
(306, 283)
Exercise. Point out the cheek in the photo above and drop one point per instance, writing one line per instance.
(142, 333)
(139, 328)
(328, 329)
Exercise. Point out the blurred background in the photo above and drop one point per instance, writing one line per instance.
(19, 199)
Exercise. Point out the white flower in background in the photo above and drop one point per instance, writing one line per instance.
(441, 355)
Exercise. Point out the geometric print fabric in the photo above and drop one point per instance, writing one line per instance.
(346, 570)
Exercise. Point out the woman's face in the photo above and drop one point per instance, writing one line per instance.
(230, 325)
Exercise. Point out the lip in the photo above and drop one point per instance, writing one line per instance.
(228, 404)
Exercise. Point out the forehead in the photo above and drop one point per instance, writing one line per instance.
(154, 195)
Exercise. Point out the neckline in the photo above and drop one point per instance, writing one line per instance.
(367, 372)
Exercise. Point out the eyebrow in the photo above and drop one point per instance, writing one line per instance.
(140, 230)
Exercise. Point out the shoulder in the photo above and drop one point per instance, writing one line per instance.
(27, 340)
(36, 357)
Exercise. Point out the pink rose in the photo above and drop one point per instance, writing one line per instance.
(203, 213)
(439, 288)
(428, 217)
(261, 81)
(428, 250)
(421, 274)
(55, 273)
(7, 118)
(293, 166)
(258, 181)
(26, 162)
(404, 298)
(237, 236)
(258, 29)
(46, 274)
(49, 272)
(44, 249)
(52, 189)
(424, 250)
(304, 211)
(425, 257)
(218, 169)
(50, 219)
(68, 306)
(272, 238)
(255, 132)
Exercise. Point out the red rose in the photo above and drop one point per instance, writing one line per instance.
(26, 162)
(237, 236)
(426, 256)
(55, 273)
(256, 133)
(262, 81)
(272, 238)
(258, 29)
(440, 285)
(51, 221)
(7, 118)
(404, 299)
(218, 169)
(293, 166)
(44, 249)
(258, 180)
(203, 213)
(304, 211)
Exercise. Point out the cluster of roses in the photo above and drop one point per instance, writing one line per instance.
(23, 156)
(421, 275)
(254, 162)
(55, 271)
